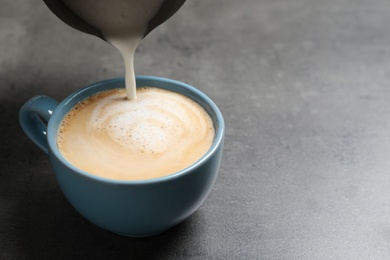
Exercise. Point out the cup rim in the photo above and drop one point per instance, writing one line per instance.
(82, 93)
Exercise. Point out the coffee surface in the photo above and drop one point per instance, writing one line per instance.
(156, 134)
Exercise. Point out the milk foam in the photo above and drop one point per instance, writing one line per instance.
(123, 23)
(158, 133)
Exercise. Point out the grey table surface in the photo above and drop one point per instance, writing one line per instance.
(304, 89)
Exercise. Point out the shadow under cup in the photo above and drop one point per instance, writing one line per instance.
(131, 208)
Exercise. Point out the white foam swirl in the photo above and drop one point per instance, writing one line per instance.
(146, 124)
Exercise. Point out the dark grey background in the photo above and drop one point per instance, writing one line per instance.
(304, 88)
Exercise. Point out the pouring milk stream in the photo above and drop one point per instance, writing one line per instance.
(123, 23)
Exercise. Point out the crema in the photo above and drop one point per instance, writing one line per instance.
(156, 134)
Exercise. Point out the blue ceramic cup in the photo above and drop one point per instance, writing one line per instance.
(131, 208)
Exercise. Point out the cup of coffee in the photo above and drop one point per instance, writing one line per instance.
(136, 168)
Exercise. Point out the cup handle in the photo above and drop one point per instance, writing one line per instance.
(33, 118)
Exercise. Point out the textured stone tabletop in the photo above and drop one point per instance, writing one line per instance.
(304, 86)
